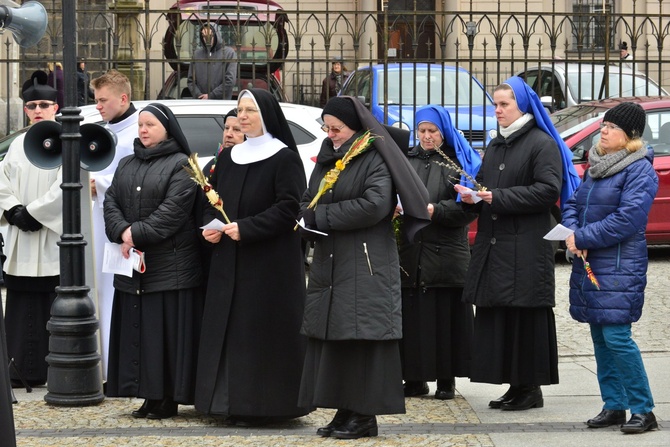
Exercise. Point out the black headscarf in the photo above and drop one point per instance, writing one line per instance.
(273, 117)
(169, 121)
(413, 193)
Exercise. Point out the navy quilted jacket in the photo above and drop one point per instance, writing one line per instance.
(609, 217)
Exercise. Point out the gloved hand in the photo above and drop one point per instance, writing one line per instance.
(10, 214)
(25, 221)
(310, 218)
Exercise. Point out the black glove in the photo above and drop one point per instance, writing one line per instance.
(310, 218)
(10, 214)
(308, 236)
(25, 221)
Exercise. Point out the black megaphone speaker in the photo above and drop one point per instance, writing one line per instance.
(27, 23)
(97, 147)
(42, 144)
(43, 149)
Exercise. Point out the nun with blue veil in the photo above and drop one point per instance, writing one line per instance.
(437, 325)
(526, 169)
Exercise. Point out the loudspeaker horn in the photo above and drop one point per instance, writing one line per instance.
(43, 149)
(42, 144)
(97, 148)
(27, 23)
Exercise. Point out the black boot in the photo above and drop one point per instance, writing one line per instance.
(640, 423)
(415, 388)
(607, 418)
(357, 426)
(146, 407)
(340, 418)
(509, 394)
(446, 389)
(528, 397)
(166, 409)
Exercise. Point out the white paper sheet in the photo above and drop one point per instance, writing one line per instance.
(215, 224)
(302, 225)
(558, 233)
(464, 190)
(114, 262)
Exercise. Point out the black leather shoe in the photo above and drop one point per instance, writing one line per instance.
(357, 426)
(446, 389)
(413, 389)
(528, 397)
(166, 409)
(607, 418)
(640, 423)
(146, 407)
(509, 394)
(340, 418)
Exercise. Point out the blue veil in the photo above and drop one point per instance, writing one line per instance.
(468, 158)
(529, 102)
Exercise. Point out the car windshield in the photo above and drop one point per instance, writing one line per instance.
(589, 86)
(431, 87)
(573, 119)
(252, 37)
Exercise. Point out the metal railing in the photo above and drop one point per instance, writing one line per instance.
(492, 45)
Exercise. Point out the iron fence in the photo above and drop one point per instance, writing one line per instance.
(295, 45)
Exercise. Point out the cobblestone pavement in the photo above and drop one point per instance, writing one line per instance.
(428, 422)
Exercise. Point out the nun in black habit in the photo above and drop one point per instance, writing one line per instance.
(156, 314)
(251, 351)
(353, 308)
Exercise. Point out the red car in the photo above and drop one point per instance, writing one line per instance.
(579, 126)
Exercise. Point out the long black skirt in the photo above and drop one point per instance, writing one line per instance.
(27, 311)
(515, 345)
(437, 330)
(357, 375)
(153, 345)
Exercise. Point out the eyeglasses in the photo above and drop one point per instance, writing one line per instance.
(609, 126)
(334, 130)
(42, 105)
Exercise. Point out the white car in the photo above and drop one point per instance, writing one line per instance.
(202, 123)
(585, 82)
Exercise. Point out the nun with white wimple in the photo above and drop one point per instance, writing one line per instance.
(251, 352)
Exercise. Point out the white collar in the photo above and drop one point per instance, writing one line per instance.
(256, 149)
(129, 121)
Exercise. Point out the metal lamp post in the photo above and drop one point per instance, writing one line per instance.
(74, 377)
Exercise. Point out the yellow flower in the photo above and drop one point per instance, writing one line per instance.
(339, 165)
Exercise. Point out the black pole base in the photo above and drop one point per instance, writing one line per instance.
(74, 377)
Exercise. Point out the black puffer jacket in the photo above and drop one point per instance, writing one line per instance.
(512, 265)
(440, 254)
(152, 193)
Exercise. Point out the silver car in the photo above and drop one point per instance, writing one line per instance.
(563, 84)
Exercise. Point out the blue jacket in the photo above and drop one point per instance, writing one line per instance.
(609, 217)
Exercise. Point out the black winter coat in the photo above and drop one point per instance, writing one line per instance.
(512, 265)
(152, 193)
(440, 254)
(354, 280)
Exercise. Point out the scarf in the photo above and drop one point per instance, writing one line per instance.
(609, 164)
(516, 125)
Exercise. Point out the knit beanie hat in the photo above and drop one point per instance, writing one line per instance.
(36, 88)
(629, 116)
(342, 109)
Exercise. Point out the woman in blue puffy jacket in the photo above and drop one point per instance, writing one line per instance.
(608, 214)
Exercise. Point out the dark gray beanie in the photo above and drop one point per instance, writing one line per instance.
(344, 110)
(630, 116)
